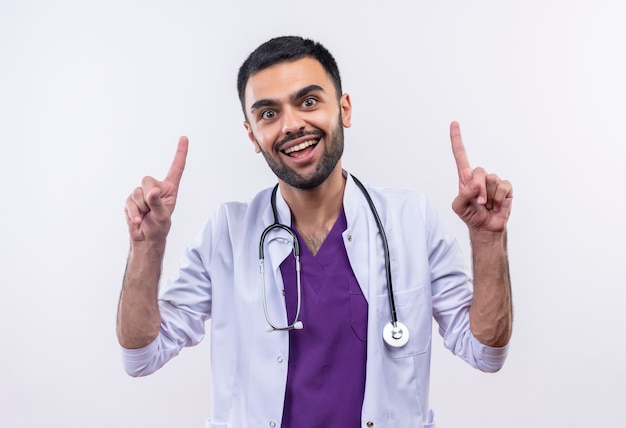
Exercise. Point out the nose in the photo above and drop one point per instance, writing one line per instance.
(292, 121)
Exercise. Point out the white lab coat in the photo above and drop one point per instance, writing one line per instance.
(219, 279)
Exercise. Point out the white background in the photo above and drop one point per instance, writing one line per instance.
(93, 96)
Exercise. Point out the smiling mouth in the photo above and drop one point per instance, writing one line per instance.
(300, 147)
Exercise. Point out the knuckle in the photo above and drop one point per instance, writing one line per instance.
(480, 171)
(148, 182)
(137, 198)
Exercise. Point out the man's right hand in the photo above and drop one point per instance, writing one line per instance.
(149, 208)
(148, 215)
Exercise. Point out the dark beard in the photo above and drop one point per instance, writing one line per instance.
(330, 158)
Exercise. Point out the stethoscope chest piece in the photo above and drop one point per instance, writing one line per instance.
(396, 336)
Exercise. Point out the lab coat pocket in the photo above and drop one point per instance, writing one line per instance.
(413, 310)
(210, 424)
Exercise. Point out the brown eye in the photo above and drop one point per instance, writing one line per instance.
(309, 102)
(268, 114)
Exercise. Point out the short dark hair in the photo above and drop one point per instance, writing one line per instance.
(282, 49)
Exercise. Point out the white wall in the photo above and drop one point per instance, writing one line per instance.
(93, 95)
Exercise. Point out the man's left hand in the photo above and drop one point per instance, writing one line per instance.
(484, 200)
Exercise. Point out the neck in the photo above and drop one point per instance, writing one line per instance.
(314, 211)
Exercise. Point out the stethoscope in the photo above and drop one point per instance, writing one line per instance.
(395, 333)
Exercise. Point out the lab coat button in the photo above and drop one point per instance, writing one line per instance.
(279, 359)
(370, 424)
(272, 424)
(350, 238)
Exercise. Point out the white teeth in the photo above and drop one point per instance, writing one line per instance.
(300, 146)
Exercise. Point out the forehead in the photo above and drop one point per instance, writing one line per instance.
(286, 78)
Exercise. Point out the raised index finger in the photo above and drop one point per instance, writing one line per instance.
(460, 155)
(178, 164)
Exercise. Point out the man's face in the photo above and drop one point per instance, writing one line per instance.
(295, 119)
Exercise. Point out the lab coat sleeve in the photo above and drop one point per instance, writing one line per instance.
(452, 285)
(184, 304)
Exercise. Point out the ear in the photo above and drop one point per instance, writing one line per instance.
(251, 137)
(346, 110)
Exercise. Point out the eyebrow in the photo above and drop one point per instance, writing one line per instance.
(299, 94)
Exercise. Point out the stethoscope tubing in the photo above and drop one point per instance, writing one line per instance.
(383, 235)
(296, 253)
(395, 334)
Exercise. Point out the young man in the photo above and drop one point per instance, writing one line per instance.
(305, 347)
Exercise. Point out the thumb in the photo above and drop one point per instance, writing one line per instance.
(155, 203)
(479, 191)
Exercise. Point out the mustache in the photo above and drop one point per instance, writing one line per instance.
(318, 133)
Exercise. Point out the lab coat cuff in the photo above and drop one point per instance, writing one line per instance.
(140, 354)
(141, 361)
(490, 359)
